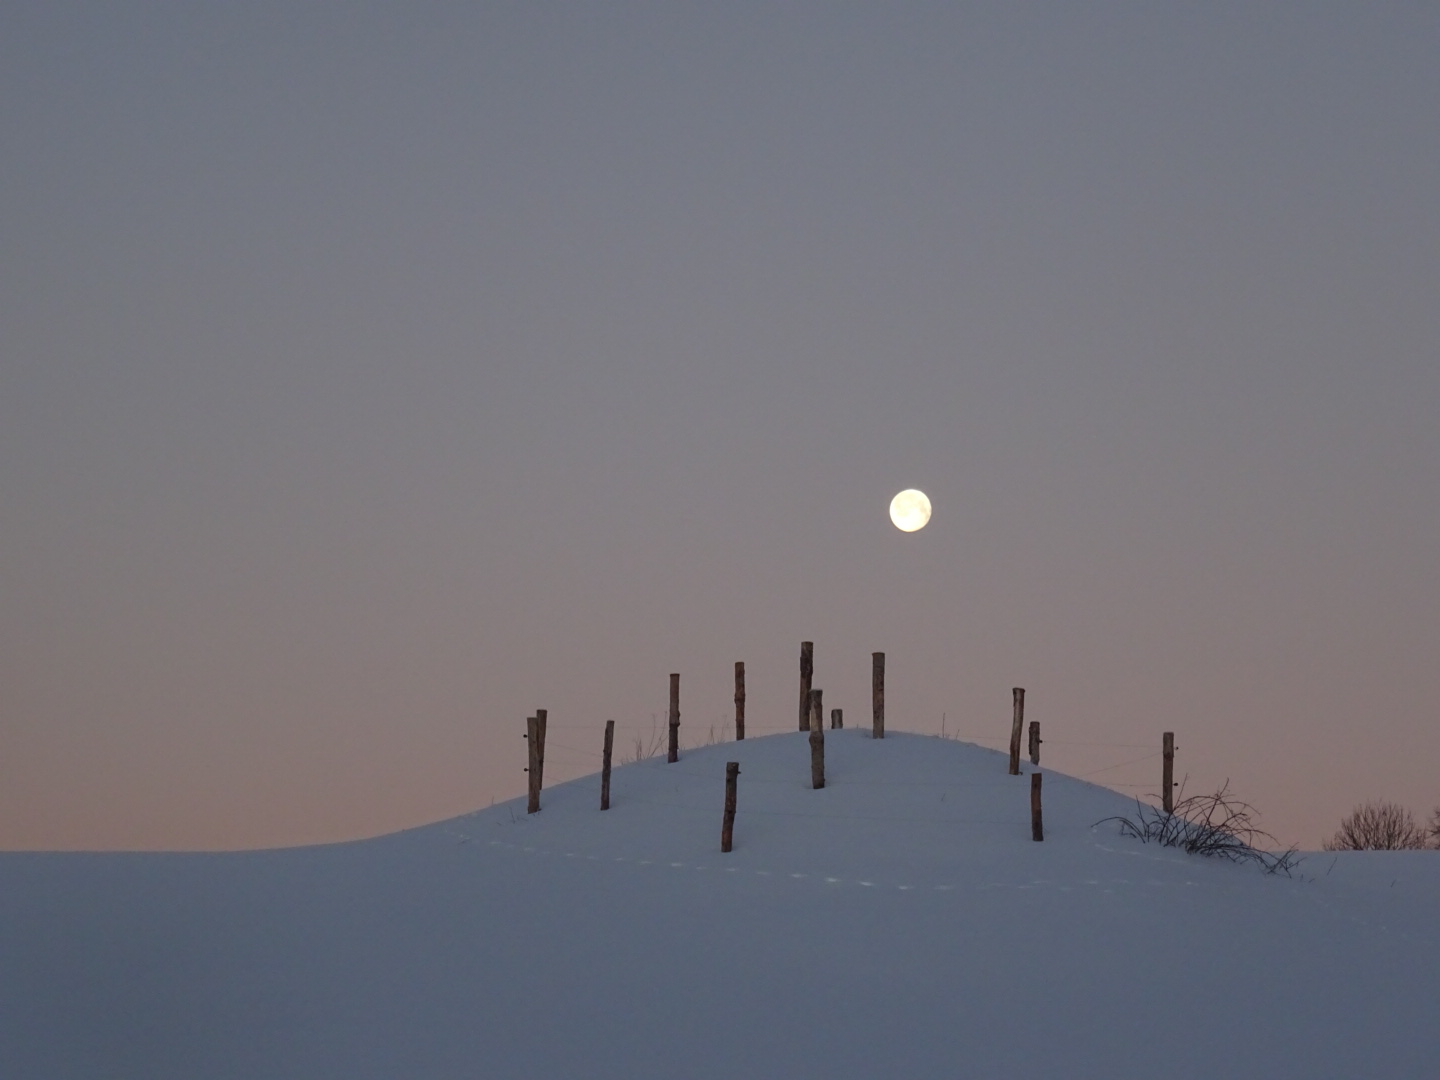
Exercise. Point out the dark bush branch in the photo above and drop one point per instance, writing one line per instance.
(1382, 826)
(1217, 825)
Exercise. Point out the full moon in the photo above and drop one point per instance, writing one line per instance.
(910, 510)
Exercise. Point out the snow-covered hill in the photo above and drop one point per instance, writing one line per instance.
(898, 923)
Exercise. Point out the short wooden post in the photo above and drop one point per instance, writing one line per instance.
(605, 767)
(877, 694)
(674, 718)
(739, 700)
(807, 673)
(1037, 824)
(727, 830)
(1017, 724)
(817, 741)
(532, 770)
(540, 715)
(837, 719)
(1167, 772)
(1034, 742)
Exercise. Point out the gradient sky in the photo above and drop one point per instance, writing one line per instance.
(371, 375)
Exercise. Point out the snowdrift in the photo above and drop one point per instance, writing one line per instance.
(899, 922)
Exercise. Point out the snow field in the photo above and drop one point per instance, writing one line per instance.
(900, 922)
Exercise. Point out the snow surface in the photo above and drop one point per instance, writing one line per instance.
(898, 923)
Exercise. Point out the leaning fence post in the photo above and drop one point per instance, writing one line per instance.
(1016, 724)
(727, 829)
(837, 719)
(1167, 772)
(540, 715)
(1037, 825)
(674, 718)
(807, 673)
(532, 770)
(1034, 742)
(817, 741)
(605, 767)
(739, 700)
(877, 694)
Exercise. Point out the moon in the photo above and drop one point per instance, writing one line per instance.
(910, 510)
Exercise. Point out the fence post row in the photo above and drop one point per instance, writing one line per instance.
(817, 741)
(605, 767)
(739, 700)
(727, 828)
(877, 695)
(837, 719)
(807, 673)
(1167, 772)
(1016, 724)
(674, 755)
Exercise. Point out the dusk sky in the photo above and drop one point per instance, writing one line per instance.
(372, 375)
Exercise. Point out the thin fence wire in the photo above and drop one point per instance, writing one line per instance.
(649, 735)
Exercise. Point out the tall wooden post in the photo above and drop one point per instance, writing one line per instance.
(1017, 723)
(674, 718)
(1167, 772)
(1034, 742)
(807, 673)
(727, 829)
(817, 741)
(540, 715)
(837, 719)
(1037, 824)
(739, 700)
(605, 767)
(877, 694)
(532, 770)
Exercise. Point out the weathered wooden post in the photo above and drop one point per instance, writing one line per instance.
(674, 718)
(727, 830)
(540, 715)
(807, 673)
(605, 767)
(1034, 742)
(1037, 824)
(739, 700)
(532, 769)
(817, 741)
(877, 694)
(837, 719)
(1017, 723)
(1167, 772)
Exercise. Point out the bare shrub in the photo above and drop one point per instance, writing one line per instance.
(1435, 828)
(1378, 825)
(1217, 825)
(656, 745)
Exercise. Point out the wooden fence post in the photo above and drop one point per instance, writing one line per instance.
(540, 715)
(727, 830)
(739, 700)
(837, 719)
(1167, 772)
(532, 769)
(877, 694)
(1034, 742)
(1037, 824)
(605, 767)
(674, 718)
(1016, 726)
(817, 741)
(807, 673)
